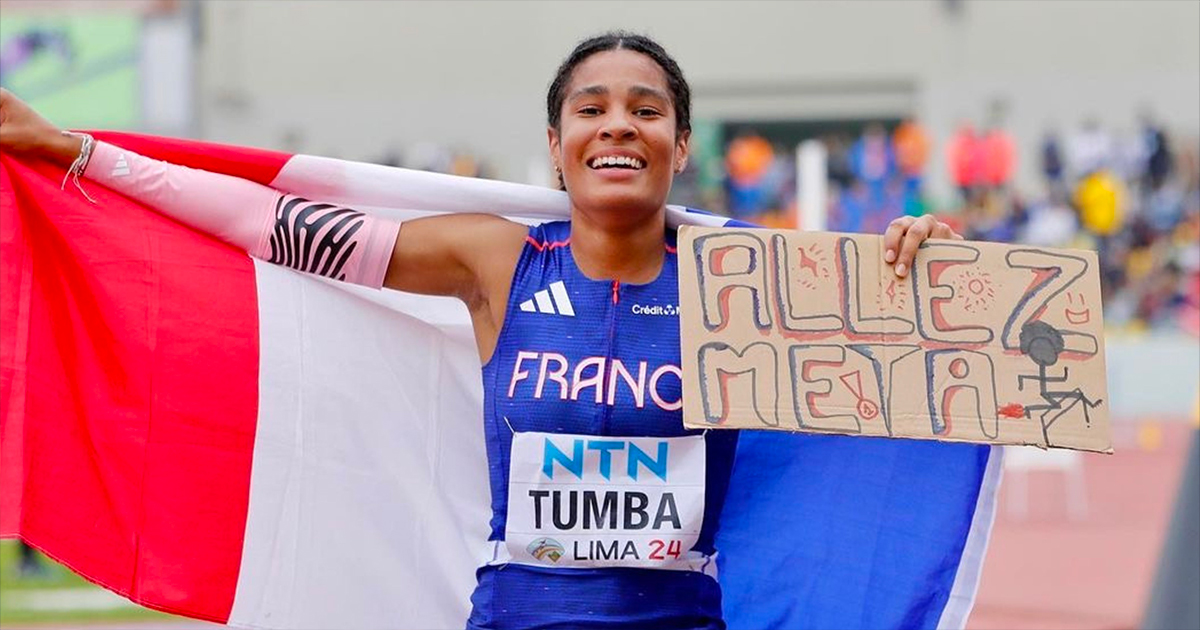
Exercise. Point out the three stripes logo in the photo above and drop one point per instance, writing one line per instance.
(551, 301)
(120, 168)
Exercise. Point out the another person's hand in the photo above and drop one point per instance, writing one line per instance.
(24, 133)
(905, 235)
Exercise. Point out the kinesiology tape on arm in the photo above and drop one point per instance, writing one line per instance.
(313, 237)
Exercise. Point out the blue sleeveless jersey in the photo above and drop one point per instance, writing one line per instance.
(558, 317)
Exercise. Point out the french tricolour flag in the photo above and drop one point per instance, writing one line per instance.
(220, 438)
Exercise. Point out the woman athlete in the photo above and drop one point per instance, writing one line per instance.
(575, 326)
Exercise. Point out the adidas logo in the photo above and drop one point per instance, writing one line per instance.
(121, 168)
(551, 301)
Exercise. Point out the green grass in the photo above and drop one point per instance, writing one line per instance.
(56, 577)
(98, 86)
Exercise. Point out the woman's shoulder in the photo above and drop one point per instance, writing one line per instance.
(556, 233)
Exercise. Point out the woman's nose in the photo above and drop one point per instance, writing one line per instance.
(618, 125)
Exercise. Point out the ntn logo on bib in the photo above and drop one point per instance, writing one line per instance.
(588, 501)
(607, 450)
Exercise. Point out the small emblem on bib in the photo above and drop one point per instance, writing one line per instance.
(545, 549)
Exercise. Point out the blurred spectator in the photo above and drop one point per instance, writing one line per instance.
(911, 146)
(1099, 199)
(760, 181)
(997, 217)
(872, 160)
(465, 165)
(1090, 149)
(964, 154)
(1051, 223)
(837, 149)
(999, 158)
(884, 178)
(428, 156)
(849, 209)
(1052, 161)
(1160, 296)
(1158, 160)
(1100, 202)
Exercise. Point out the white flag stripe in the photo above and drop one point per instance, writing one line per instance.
(391, 191)
(341, 401)
(543, 302)
(970, 567)
(561, 300)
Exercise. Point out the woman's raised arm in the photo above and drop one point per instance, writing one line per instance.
(446, 255)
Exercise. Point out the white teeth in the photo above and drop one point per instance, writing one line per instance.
(616, 160)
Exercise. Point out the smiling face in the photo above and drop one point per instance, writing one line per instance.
(616, 142)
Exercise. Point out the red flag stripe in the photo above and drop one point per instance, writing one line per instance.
(258, 165)
(114, 395)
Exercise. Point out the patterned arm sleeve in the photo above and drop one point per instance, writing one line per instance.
(313, 237)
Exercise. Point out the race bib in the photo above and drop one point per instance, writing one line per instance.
(600, 501)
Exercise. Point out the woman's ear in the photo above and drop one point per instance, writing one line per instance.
(555, 146)
(552, 140)
(682, 144)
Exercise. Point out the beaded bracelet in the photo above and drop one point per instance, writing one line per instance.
(81, 162)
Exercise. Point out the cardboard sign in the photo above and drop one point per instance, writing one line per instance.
(981, 342)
